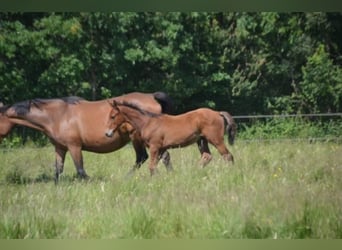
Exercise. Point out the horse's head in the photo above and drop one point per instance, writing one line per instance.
(115, 119)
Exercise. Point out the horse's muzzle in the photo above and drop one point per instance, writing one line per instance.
(109, 132)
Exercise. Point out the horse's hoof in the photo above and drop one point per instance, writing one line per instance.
(83, 176)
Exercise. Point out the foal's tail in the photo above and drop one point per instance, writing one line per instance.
(231, 126)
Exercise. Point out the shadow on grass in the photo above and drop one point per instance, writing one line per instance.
(17, 177)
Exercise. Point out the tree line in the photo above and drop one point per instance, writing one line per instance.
(245, 63)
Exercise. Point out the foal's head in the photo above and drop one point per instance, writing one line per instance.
(115, 119)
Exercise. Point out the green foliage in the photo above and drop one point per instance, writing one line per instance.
(321, 88)
(12, 142)
(243, 62)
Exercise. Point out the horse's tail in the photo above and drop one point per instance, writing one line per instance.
(3, 108)
(231, 126)
(165, 101)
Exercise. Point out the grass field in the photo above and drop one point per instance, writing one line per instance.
(274, 190)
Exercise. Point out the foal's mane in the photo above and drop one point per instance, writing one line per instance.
(137, 108)
(24, 107)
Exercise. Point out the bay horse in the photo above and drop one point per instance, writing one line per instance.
(161, 131)
(74, 124)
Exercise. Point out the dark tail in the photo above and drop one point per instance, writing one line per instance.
(165, 101)
(4, 108)
(231, 126)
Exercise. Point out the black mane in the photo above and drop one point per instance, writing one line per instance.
(72, 99)
(137, 108)
(24, 107)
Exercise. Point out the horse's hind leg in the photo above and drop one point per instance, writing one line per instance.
(205, 151)
(218, 143)
(76, 155)
(227, 156)
(59, 164)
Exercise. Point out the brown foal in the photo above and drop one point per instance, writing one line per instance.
(161, 132)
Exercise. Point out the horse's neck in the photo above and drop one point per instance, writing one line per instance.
(134, 117)
(26, 123)
(35, 118)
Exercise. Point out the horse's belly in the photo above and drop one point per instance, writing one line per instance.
(176, 142)
(105, 145)
(102, 149)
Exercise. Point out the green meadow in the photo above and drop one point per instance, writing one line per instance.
(282, 190)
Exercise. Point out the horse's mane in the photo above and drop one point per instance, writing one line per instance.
(67, 99)
(24, 107)
(137, 108)
(72, 99)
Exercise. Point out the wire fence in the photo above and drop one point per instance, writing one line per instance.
(253, 119)
(21, 134)
(287, 116)
(298, 139)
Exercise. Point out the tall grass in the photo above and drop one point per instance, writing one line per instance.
(274, 190)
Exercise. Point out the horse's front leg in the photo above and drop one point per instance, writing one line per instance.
(76, 155)
(140, 152)
(154, 157)
(59, 163)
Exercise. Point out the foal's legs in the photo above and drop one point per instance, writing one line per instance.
(227, 156)
(218, 142)
(166, 159)
(154, 157)
(59, 164)
(141, 155)
(205, 151)
(76, 155)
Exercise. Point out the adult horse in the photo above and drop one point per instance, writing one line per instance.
(161, 131)
(74, 124)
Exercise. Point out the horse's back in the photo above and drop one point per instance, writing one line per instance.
(143, 100)
(203, 113)
(202, 117)
(89, 113)
(157, 102)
